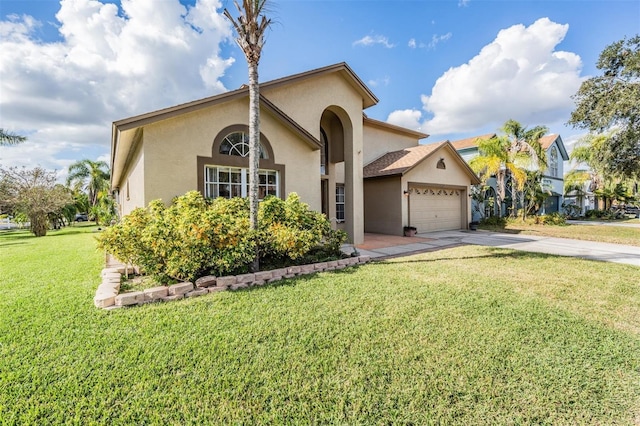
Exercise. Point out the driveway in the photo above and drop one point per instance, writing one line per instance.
(557, 246)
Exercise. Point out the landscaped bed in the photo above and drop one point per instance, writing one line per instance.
(469, 335)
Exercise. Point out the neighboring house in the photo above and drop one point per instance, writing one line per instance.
(315, 141)
(552, 178)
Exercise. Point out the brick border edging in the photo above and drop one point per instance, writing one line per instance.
(108, 293)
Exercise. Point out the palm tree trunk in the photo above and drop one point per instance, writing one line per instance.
(254, 152)
(254, 143)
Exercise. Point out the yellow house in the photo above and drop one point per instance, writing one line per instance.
(315, 141)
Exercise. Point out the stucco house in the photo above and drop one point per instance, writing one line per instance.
(364, 174)
(552, 178)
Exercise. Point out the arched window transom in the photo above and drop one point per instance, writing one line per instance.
(237, 143)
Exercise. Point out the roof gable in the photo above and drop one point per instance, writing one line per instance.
(548, 141)
(369, 99)
(400, 162)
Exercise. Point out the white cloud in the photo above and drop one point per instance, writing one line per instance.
(384, 81)
(371, 40)
(109, 64)
(408, 118)
(412, 43)
(435, 39)
(463, 3)
(519, 75)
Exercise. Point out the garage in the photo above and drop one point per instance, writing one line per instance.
(426, 187)
(433, 208)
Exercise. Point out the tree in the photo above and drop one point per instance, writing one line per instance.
(34, 192)
(611, 103)
(250, 26)
(8, 138)
(509, 156)
(90, 176)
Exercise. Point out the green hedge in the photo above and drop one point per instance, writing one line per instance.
(194, 236)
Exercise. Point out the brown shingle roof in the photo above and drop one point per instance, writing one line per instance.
(546, 141)
(471, 142)
(398, 162)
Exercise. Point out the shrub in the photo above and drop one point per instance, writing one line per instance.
(599, 214)
(292, 233)
(555, 218)
(195, 237)
(494, 221)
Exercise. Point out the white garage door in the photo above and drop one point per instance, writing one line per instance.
(435, 208)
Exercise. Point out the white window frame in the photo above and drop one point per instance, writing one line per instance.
(212, 182)
(553, 161)
(340, 201)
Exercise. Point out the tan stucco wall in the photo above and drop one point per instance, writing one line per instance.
(171, 147)
(454, 176)
(383, 206)
(378, 142)
(131, 194)
(305, 101)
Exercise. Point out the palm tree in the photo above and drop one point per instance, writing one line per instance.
(89, 176)
(250, 26)
(588, 151)
(510, 156)
(8, 138)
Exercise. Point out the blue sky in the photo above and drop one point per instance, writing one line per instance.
(450, 68)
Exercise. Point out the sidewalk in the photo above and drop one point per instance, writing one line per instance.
(402, 246)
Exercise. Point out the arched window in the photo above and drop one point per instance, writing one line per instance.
(237, 143)
(226, 172)
(553, 162)
(490, 202)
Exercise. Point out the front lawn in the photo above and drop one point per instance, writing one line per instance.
(469, 335)
(601, 233)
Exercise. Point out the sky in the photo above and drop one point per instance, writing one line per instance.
(449, 68)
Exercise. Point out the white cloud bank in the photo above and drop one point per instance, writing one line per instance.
(109, 64)
(519, 75)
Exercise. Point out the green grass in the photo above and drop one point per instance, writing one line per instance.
(469, 335)
(600, 233)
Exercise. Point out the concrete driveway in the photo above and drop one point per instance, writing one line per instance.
(557, 246)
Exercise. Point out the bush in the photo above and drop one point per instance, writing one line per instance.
(494, 221)
(195, 237)
(555, 218)
(599, 214)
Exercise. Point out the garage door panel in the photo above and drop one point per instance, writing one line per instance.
(435, 209)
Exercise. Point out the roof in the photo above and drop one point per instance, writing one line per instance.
(545, 141)
(471, 142)
(400, 162)
(392, 127)
(369, 99)
(548, 140)
(124, 131)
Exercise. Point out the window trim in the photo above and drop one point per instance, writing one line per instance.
(553, 162)
(225, 160)
(244, 180)
(342, 203)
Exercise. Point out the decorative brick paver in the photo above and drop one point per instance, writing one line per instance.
(108, 296)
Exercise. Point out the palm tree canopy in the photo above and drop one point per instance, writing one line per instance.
(9, 138)
(91, 176)
(250, 27)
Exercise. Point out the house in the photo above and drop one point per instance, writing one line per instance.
(315, 141)
(552, 177)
